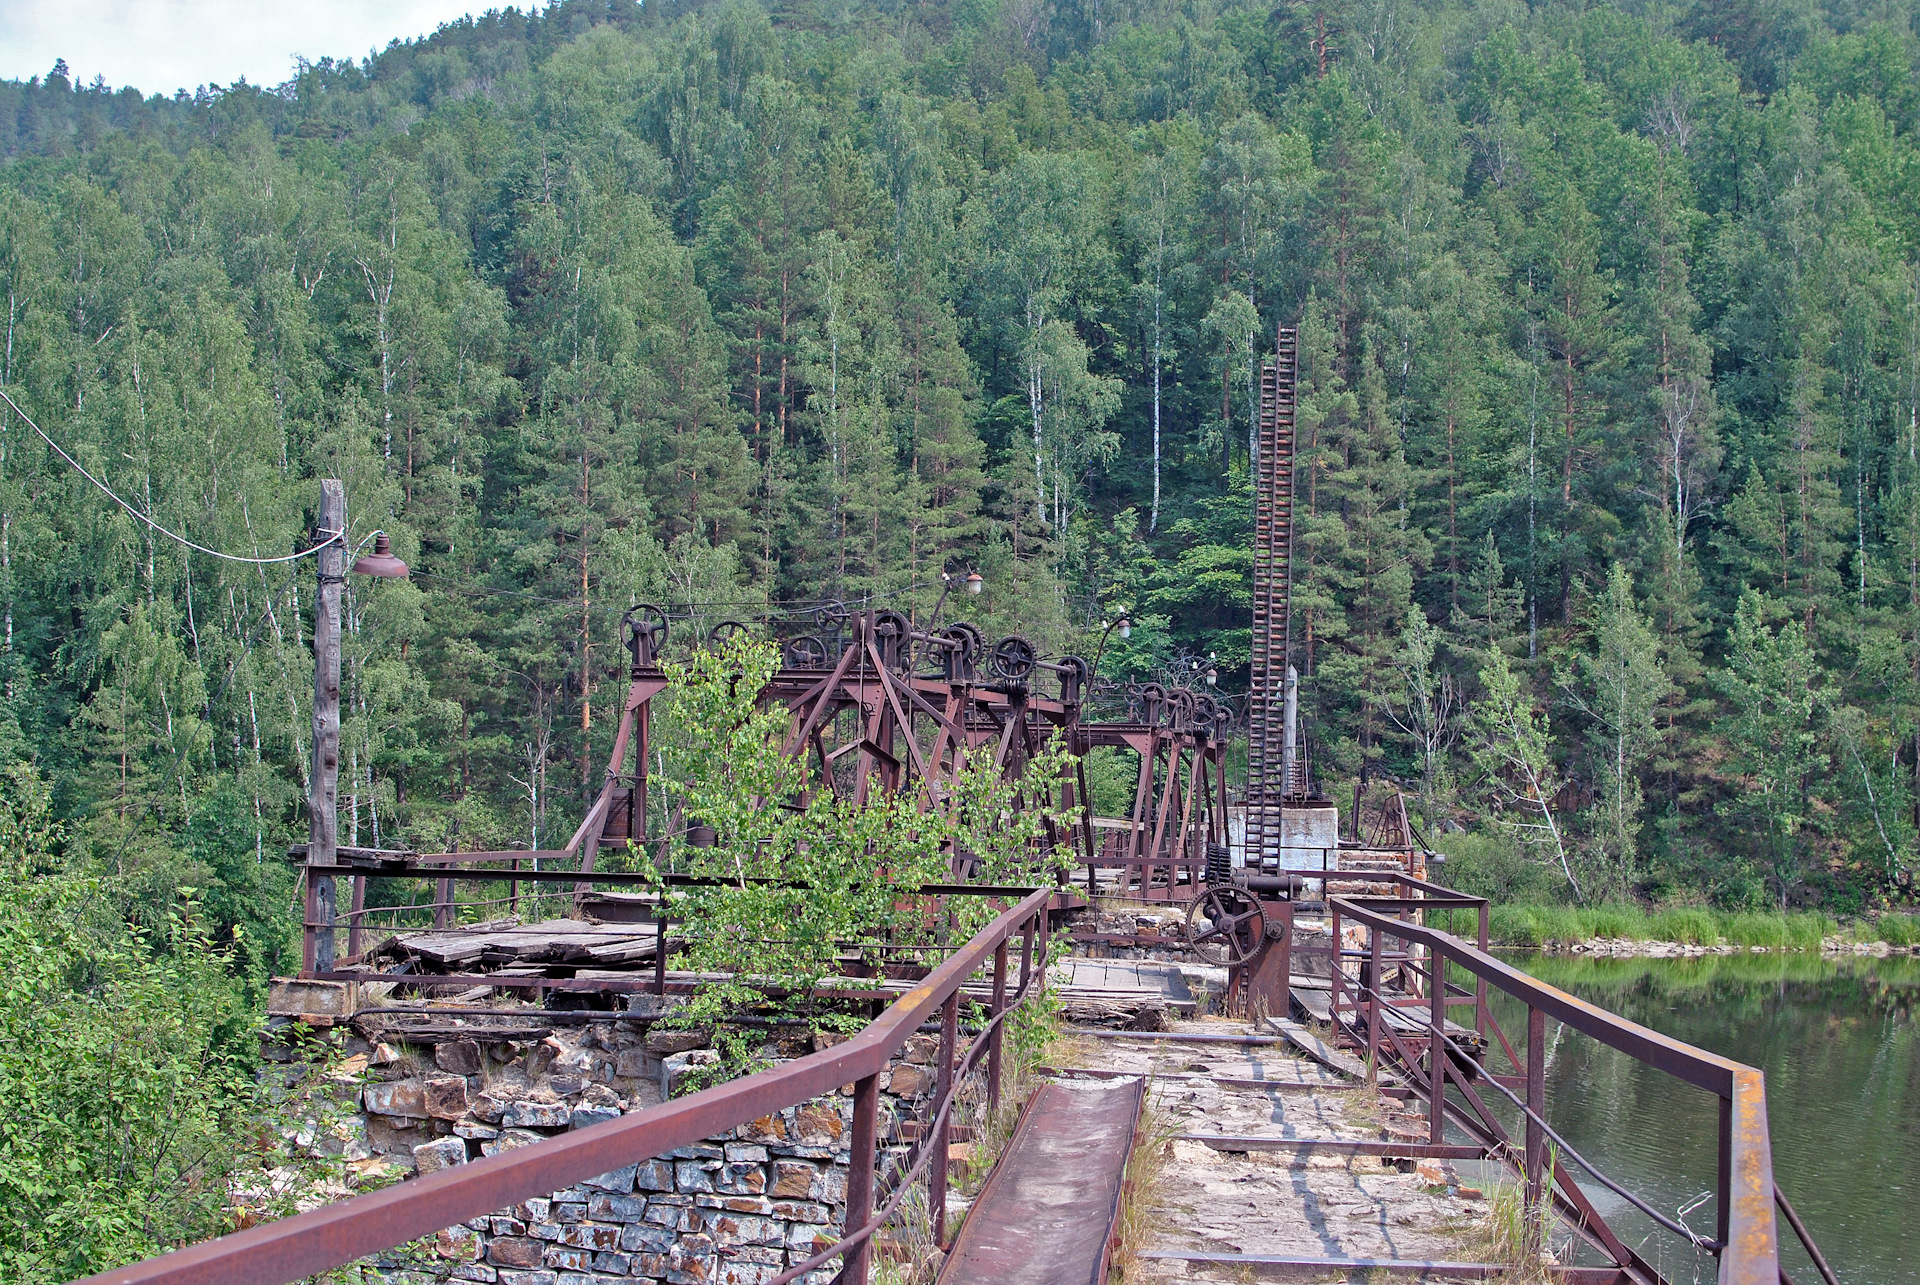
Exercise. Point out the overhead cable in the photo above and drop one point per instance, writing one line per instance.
(171, 535)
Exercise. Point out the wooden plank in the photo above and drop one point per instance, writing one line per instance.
(1318, 1049)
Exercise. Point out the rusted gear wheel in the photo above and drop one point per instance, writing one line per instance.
(1014, 658)
(1225, 926)
(645, 630)
(725, 632)
(805, 652)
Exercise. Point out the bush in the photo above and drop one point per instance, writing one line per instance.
(1488, 865)
(126, 1067)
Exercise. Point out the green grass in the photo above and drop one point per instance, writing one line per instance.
(1898, 930)
(1688, 925)
(1551, 925)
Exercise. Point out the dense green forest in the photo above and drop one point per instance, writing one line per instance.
(1609, 482)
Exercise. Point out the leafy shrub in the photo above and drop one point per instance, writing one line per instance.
(800, 873)
(1490, 865)
(126, 1067)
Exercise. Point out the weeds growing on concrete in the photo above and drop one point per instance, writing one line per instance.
(1140, 1191)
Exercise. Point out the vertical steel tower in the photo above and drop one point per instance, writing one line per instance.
(1270, 761)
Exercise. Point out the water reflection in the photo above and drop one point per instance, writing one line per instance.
(1840, 1046)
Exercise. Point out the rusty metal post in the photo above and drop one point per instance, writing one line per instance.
(1437, 1048)
(1373, 1005)
(1479, 982)
(323, 821)
(357, 918)
(866, 1109)
(993, 1041)
(1724, 1187)
(1026, 952)
(942, 1083)
(1338, 977)
(1537, 1181)
(443, 903)
(660, 947)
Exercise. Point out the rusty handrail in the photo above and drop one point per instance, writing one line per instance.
(294, 1248)
(1750, 1253)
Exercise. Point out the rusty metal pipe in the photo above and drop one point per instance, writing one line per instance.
(1806, 1240)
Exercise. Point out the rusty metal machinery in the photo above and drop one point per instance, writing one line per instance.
(877, 703)
(1225, 926)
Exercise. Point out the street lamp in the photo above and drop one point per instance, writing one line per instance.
(973, 582)
(1121, 623)
(381, 562)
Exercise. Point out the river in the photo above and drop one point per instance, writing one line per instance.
(1839, 1041)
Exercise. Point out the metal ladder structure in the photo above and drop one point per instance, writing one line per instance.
(1272, 585)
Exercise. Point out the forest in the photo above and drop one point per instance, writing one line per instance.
(1608, 545)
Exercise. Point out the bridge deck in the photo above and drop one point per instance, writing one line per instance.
(1274, 1163)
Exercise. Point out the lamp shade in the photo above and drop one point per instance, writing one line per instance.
(1126, 627)
(381, 562)
(975, 583)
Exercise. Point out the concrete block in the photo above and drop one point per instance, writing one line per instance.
(292, 997)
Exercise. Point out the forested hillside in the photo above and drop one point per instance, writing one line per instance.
(1610, 436)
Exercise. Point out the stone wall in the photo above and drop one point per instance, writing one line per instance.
(734, 1209)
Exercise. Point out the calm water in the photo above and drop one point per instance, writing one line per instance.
(1840, 1044)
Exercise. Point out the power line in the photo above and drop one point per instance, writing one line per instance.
(680, 611)
(171, 535)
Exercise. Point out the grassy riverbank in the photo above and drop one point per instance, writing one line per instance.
(1551, 925)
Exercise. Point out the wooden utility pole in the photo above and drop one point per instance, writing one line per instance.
(323, 828)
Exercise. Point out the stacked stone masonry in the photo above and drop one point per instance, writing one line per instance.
(733, 1210)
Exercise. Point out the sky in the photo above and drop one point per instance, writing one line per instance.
(159, 46)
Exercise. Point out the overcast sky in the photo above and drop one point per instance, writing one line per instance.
(159, 46)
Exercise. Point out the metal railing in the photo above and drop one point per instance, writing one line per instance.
(297, 1247)
(1431, 1061)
